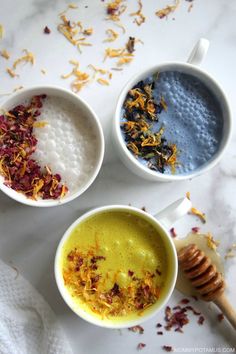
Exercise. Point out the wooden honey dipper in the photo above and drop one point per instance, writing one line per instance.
(204, 277)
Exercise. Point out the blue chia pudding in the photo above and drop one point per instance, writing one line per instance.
(172, 123)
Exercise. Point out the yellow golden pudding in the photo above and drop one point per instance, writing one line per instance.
(115, 265)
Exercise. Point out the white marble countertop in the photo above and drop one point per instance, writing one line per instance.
(29, 236)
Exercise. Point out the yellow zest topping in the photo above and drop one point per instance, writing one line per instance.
(154, 140)
(198, 213)
(71, 30)
(88, 31)
(102, 293)
(102, 72)
(40, 124)
(163, 103)
(112, 35)
(167, 10)
(133, 148)
(98, 70)
(118, 24)
(11, 72)
(115, 9)
(70, 6)
(64, 191)
(141, 18)
(188, 195)
(231, 251)
(37, 186)
(172, 160)
(4, 53)
(124, 60)
(211, 243)
(68, 30)
(1, 31)
(114, 53)
(81, 78)
(103, 81)
(138, 101)
(28, 58)
(121, 53)
(81, 42)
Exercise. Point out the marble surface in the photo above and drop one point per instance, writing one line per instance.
(29, 236)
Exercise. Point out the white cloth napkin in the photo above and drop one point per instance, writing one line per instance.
(27, 323)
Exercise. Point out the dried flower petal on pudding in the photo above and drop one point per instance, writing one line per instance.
(20, 170)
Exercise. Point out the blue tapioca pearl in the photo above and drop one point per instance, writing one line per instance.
(179, 115)
(191, 166)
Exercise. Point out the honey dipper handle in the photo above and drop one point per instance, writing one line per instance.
(223, 303)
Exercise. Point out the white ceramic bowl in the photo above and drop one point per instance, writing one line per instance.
(87, 112)
(130, 160)
(167, 217)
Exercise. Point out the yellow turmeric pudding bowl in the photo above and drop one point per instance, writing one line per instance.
(116, 266)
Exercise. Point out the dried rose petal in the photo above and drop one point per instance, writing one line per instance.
(47, 30)
(184, 301)
(201, 320)
(220, 317)
(137, 329)
(193, 310)
(141, 346)
(173, 232)
(18, 143)
(195, 229)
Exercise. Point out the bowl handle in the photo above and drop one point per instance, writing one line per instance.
(174, 212)
(199, 52)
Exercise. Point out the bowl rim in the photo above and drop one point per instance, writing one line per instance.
(130, 158)
(64, 293)
(100, 136)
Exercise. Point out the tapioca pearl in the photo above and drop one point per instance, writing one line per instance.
(211, 149)
(104, 249)
(190, 157)
(74, 164)
(52, 155)
(140, 255)
(167, 86)
(130, 242)
(123, 279)
(213, 123)
(190, 166)
(51, 145)
(73, 173)
(60, 133)
(207, 156)
(179, 115)
(151, 262)
(68, 150)
(117, 244)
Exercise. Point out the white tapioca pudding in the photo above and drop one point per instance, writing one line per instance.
(66, 142)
